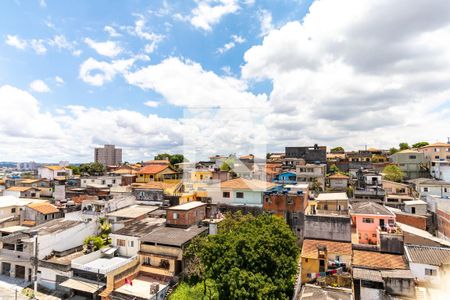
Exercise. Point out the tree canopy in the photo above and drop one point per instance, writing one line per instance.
(393, 150)
(93, 169)
(393, 173)
(403, 146)
(420, 144)
(337, 150)
(250, 258)
(173, 158)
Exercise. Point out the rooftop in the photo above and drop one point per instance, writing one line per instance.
(428, 181)
(173, 236)
(20, 188)
(438, 144)
(140, 287)
(368, 275)
(331, 196)
(187, 206)
(422, 233)
(6, 201)
(415, 202)
(132, 212)
(313, 292)
(369, 208)
(141, 227)
(309, 249)
(153, 169)
(247, 184)
(44, 208)
(56, 225)
(12, 229)
(378, 260)
(429, 255)
(55, 168)
(338, 176)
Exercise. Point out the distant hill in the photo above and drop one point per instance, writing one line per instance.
(8, 164)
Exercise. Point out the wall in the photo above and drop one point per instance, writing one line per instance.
(48, 275)
(331, 228)
(400, 286)
(418, 271)
(338, 184)
(412, 220)
(420, 209)
(251, 198)
(186, 218)
(131, 247)
(370, 229)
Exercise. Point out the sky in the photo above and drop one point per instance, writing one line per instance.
(208, 77)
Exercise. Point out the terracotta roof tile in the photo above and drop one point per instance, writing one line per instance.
(378, 260)
(44, 208)
(338, 176)
(20, 188)
(309, 249)
(152, 169)
(247, 184)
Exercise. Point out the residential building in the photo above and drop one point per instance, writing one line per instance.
(108, 181)
(416, 207)
(314, 174)
(154, 192)
(436, 152)
(285, 178)
(377, 275)
(441, 170)
(26, 166)
(22, 192)
(370, 220)
(429, 265)
(10, 209)
(38, 213)
(396, 188)
(155, 173)
(338, 182)
(361, 159)
(128, 238)
(443, 220)
(17, 244)
(328, 227)
(319, 256)
(109, 155)
(186, 215)
(426, 187)
(272, 170)
(415, 236)
(415, 220)
(332, 204)
(124, 216)
(54, 172)
(44, 186)
(162, 250)
(411, 162)
(314, 154)
(315, 292)
(240, 191)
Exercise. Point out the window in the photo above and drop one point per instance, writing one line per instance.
(240, 195)
(103, 181)
(430, 272)
(226, 194)
(164, 263)
(374, 235)
(325, 207)
(445, 190)
(120, 243)
(425, 189)
(436, 157)
(367, 220)
(146, 260)
(13, 210)
(306, 260)
(175, 216)
(412, 157)
(113, 181)
(338, 258)
(131, 244)
(413, 210)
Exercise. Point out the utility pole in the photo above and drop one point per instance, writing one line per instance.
(35, 260)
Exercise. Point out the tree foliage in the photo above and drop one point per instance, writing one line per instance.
(172, 158)
(393, 150)
(334, 169)
(337, 150)
(93, 169)
(403, 146)
(420, 144)
(250, 258)
(75, 169)
(196, 291)
(393, 173)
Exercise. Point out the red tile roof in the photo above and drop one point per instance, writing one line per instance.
(152, 169)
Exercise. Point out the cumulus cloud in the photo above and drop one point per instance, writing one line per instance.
(109, 48)
(151, 103)
(235, 39)
(139, 29)
(265, 21)
(97, 72)
(38, 46)
(59, 80)
(39, 86)
(354, 68)
(15, 41)
(111, 31)
(210, 12)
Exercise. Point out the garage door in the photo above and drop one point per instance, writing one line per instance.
(20, 272)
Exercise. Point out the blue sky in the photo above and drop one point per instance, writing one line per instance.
(78, 20)
(208, 77)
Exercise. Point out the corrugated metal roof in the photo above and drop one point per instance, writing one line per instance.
(429, 255)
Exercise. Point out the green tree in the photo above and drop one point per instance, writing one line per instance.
(251, 258)
(393, 173)
(173, 159)
(334, 169)
(403, 146)
(337, 150)
(196, 291)
(393, 150)
(75, 170)
(420, 144)
(93, 169)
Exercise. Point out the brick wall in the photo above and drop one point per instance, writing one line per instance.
(186, 218)
(412, 220)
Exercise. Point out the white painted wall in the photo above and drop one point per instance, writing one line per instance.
(47, 277)
(418, 271)
(131, 247)
(251, 198)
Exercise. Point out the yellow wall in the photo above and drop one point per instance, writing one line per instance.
(309, 265)
(201, 175)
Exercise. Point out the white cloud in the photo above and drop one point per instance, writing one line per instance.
(210, 12)
(98, 73)
(59, 80)
(236, 39)
(111, 31)
(109, 48)
(265, 21)
(39, 86)
(38, 46)
(42, 3)
(151, 103)
(358, 72)
(141, 31)
(15, 41)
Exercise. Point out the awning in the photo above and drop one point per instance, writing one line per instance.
(82, 285)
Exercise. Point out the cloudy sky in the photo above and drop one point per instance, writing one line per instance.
(205, 77)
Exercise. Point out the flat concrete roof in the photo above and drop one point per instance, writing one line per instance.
(331, 196)
(105, 262)
(133, 211)
(187, 206)
(141, 287)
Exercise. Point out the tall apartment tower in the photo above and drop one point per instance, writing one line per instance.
(109, 155)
